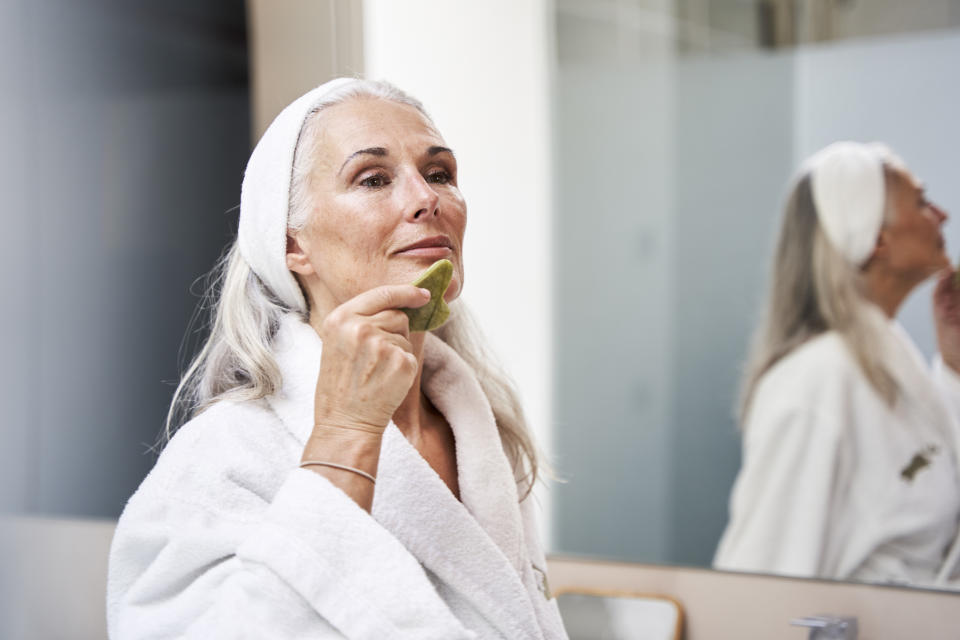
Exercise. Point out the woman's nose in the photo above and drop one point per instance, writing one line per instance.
(942, 215)
(421, 200)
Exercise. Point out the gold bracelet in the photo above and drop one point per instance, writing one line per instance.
(307, 463)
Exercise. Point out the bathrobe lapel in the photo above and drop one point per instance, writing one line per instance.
(912, 373)
(297, 349)
(926, 402)
(475, 547)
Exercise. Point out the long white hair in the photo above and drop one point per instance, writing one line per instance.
(814, 289)
(236, 362)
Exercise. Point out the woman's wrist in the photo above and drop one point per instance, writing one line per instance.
(344, 445)
(348, 458)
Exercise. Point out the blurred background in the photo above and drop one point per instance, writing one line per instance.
(627, 157)
(127, 128)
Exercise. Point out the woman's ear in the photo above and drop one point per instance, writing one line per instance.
(882, 247)
(297, 260)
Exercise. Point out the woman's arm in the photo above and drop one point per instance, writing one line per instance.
(785, 495)
(367, 368)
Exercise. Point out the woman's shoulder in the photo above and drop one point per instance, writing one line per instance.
(226, 426)
(824, 360)
(812, 378)
(229, 448)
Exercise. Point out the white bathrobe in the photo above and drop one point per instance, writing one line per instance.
(228, 538)
(835, 483)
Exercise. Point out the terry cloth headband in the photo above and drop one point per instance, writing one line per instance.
(265, 197)
(849, 192)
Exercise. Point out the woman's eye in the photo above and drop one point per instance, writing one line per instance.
(439, 177)
(375, 181)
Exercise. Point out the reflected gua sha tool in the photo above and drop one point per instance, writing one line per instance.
(433, 314)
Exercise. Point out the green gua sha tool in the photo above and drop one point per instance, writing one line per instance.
(433, 314)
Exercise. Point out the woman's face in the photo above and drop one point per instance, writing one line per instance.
(914, 244)
(385, 204)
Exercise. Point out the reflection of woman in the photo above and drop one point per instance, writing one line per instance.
(850, 463)
(370, 493)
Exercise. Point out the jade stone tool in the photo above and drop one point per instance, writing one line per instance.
(433, 314)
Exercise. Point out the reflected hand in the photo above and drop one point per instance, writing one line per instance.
(946, 314)
(368, 365)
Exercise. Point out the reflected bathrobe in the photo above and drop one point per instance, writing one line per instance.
(836, 484)
(228, 538)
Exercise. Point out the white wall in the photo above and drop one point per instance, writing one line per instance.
(482, 71)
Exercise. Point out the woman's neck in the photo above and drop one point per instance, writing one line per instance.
(409, 416)
(886, 290)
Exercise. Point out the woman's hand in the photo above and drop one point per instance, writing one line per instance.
(946, 313)
(368, 364)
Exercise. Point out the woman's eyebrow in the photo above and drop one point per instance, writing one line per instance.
(434, 150)
(373, 151)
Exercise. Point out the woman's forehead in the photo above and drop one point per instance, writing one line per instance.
(364, 122)
(905, 179)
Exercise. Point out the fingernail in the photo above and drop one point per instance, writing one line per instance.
(425, 292)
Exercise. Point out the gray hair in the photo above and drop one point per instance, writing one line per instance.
(236, 361)
(813, 289)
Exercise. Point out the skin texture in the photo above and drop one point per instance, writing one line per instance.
(910, 249)
(382, 180)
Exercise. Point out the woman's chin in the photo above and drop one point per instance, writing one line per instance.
(455, 286)
(453, 291)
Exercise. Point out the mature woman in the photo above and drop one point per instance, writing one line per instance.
(850, 465)
(378, 491)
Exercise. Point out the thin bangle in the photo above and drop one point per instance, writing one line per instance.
(307, 463)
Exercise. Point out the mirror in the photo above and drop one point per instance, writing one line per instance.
(677, 127)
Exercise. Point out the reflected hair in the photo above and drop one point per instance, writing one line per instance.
(243, 315)
(814, 289)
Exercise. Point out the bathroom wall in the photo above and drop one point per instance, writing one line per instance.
(126, 131)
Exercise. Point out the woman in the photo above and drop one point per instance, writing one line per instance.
(850, 465)
(378, 491)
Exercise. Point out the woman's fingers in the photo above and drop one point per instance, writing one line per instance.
(392, 321)
(390, 296)
(378, 307)
(947, 291)
(368, 364)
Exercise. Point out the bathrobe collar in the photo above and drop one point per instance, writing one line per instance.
(908, 366)
(912, 374)
(412, 502)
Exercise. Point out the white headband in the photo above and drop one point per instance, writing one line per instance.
(265, 197)
(849, 192)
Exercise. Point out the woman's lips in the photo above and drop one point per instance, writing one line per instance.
(436, 247)
(435, 252)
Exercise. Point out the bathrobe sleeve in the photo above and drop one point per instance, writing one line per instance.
(206, 553)
(792, 477)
